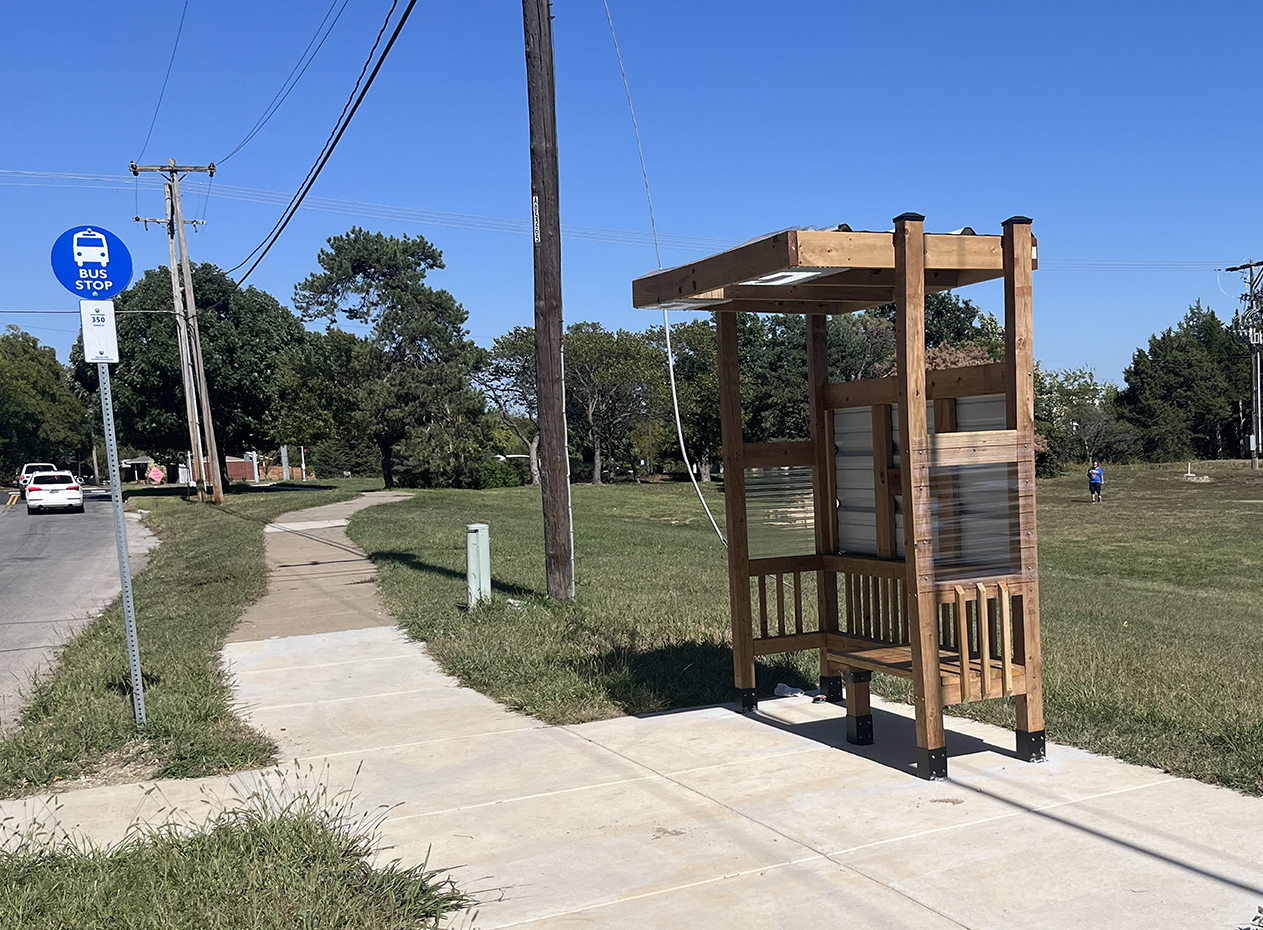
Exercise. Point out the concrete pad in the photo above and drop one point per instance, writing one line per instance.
(694, 738)
(811, 893)
(301, 652)
(318, 581)
(1033, 871)
(303, 525)
(482, 770)
(555, 854)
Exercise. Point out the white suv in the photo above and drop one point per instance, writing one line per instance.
(47, 490)
(30, 468)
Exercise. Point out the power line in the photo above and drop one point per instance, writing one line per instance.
(344, 121)
(162, 93)
(501, 224)
(290, 81)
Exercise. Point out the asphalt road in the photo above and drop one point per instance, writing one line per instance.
(57, 571)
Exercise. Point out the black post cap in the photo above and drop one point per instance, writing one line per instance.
(1018, 221)
(914, 217)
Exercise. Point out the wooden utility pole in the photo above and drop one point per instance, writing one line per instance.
(546, 222)
(172, 172)
(182, 340)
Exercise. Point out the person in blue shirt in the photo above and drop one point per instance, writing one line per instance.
(1096, 478)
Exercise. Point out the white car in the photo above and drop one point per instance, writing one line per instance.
(30, 468)
(48, 490)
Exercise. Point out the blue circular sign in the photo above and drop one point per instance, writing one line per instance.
(92, 262)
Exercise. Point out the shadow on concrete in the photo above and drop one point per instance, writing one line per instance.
(409, 560)
(894, 738)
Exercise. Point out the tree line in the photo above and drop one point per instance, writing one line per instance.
(413, 398)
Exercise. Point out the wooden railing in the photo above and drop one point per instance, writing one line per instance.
(978, 627)
(785, 615)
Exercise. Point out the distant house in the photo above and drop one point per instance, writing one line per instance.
(135, 469)
(241, 468)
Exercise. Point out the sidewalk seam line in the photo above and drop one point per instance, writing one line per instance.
(299, 668)
(423, 742)
(661, 891)
(1018, 813)
(524, 797)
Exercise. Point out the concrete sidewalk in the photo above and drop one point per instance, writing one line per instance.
(703, 818)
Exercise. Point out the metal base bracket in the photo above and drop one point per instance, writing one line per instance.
(932, 764)
(859, 730)
(831, 688)
(1032, 746)
(746, 701)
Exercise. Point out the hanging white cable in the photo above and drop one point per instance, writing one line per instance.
(666, 322)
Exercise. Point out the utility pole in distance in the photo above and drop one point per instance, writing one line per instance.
(1249, 331)
(172, 172)
(550, 373)
(196, 455)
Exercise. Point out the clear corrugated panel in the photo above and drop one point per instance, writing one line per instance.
(975, 516)
(987, 411)
(780, 513)
(853, 458)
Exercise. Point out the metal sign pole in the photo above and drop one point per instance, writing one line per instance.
(120, 537)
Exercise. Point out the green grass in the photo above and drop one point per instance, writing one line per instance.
(208, 568)
(1152, 607)
(275, 860)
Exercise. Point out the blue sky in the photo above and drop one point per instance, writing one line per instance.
(1127, 131)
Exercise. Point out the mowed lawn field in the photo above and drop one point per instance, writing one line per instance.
(1152, 610)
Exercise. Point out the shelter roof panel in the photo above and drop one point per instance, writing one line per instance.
(816, 271)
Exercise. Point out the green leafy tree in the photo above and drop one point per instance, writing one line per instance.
(696, 352)
(610, 380)
(417, 373)
(1076, 420)
(1186, 392)
(319, 388)
(952, 320)
(40, 416)
(243, 334)
(509, 381)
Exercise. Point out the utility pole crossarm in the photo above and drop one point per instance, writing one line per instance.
(168, 169)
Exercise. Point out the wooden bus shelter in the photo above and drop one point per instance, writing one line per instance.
(912, 505)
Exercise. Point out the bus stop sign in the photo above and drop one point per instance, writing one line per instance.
(91, 262)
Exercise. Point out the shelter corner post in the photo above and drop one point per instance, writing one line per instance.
(1018, 249)
(922, 605)
(735, 511)
(824, 479)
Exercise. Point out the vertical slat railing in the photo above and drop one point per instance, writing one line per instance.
(798, 602)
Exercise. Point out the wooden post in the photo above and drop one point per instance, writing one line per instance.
(915, 470)
(884, 497)
(824, 485)
(1020, 372)
(554, 451)
(946, 487)
(735, 511)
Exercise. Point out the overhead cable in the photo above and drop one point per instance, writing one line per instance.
(291, 81)
(502, 224)
(162, 93)
(332, 144)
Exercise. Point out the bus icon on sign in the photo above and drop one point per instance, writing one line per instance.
(89, 246)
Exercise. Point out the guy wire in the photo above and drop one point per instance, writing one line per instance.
(666, 322)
